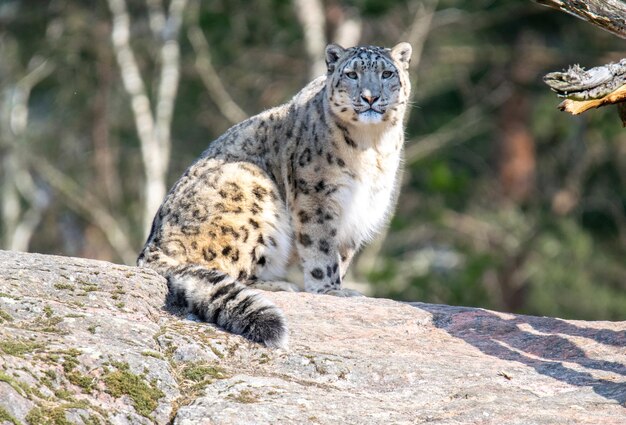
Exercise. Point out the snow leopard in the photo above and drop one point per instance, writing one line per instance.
(308, 182)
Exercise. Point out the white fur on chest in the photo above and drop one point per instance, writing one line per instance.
(365, 200)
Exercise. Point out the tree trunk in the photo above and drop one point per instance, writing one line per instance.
(516, 162)
(153, 128)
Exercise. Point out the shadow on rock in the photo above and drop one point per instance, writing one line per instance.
(536, 342)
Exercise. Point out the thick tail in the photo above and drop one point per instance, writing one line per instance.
(216, 297)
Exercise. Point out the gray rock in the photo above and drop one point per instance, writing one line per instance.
(14, 401)
(91, 341)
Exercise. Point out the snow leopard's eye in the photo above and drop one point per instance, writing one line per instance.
(352, 75)
(386, 74)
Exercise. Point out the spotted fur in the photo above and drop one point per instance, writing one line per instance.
(309, 181)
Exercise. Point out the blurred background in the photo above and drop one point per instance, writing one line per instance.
(506, 202)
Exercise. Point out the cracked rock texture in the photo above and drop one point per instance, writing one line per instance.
(89, 342)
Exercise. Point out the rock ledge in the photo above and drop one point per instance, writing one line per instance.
(89, 342)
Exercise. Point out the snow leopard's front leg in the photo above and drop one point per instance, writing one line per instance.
(346, 253)
(324, 262)
(316, 241)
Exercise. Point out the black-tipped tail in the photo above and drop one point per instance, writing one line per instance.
(216, 297)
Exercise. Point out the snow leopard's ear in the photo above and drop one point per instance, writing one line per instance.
(401, 53)
(333, 53)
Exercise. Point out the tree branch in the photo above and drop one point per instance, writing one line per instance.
(87, 204)
(131, 77)
(168, 82)
(584, 90)
(348, 25)
(19, 226)
(595, 83)
(417, 33)
(310, 13)
(599, 86)
(153, 129)
(606, 14)
(575, 107)
(156, 17)
(211, 80)
(457, 130)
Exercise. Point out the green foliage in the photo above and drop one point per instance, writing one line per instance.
(575, 276)
(435, 283)
(144, 395)
(200, 372)
(5, 317)
(55, 415)
(7, 417)
(18, 348)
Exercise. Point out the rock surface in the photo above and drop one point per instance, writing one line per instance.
(89, 342)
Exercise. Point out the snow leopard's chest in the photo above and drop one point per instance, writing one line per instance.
(366, 204)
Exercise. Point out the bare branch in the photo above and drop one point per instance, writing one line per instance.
(599, 86)
(168, 83)
(19, 226)
(576, 107)
(39, 69)
(595, 83)
(224, 102)
(417, 33)
(18, 180)
(10, 200)
(131, 77)
(38, 201)
(156, 16)
(606, 14)
(310, 13)
(458, 130)
(153, 130)
(349, 28)
(584, 90)
(140, 104)
(89, 205)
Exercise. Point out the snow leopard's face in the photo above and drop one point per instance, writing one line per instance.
(368, 85)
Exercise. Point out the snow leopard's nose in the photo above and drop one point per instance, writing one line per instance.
(369, 97)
